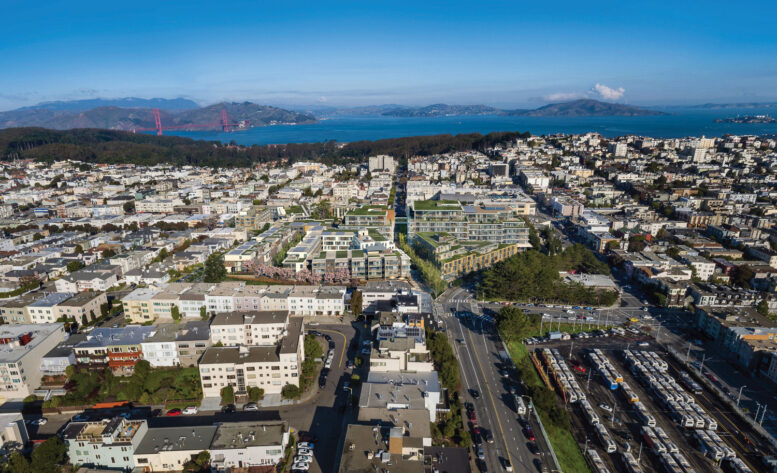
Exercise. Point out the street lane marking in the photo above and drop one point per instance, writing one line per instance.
(493, 405)
(345, 340)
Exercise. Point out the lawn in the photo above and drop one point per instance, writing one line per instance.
(564, 445)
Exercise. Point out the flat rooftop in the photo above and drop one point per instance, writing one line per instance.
(249, 434)
(195, 438)
(365, 441)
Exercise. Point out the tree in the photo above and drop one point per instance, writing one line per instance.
(162, 255)
(105, 309)
(92, 316)
(255, 393)
(513, 323)
(214, 269)
(204, 313)
(74, 266)
(763, 308)
(356, 303)
(290, 391)
(78, 249)
(175, 313)
(17, 463)
(84, 321)
(49, 456)
(109, 253)
(199, 464)
(37, 237)
(227, 395)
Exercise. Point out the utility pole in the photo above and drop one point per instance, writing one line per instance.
(688, 355)
(740, 395)
(763, 414)
(755, 417)
(639, 456)
(701, 367)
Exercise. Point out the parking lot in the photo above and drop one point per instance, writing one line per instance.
(619, 416)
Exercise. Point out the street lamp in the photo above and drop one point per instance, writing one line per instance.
(740, 395)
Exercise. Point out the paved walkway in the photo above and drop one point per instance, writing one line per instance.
(210, 404)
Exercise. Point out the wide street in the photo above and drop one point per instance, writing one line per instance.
(478, 351)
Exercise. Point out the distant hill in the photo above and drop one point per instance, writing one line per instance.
(587, 108)
(122, 118)
(575, 108)
(367, 110)
(125, 102)
(441, 109)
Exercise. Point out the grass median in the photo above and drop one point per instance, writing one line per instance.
(567, 451)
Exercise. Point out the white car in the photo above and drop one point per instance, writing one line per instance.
(41, 421)
(328, 363)
(304, 451)
(190, 410)
(305, 445)
(605, 407)
(303, 459)
(301, 466)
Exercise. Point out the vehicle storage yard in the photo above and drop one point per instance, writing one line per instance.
(633, 408)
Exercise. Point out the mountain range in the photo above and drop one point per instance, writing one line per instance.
(64, 115)
(133, 113)
(574, 108)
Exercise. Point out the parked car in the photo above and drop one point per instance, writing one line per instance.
(308, 445)
(529, 433)
(251, 406)
(307, 437)
(303, 458)
(301, 466)
(191, 410)
(174, 412)
(605, 407)
(229, 409)
(474, 393)
(41, 421)
(80, 418)
(533, 448)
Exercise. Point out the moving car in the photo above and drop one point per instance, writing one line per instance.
(529, 433)
(474, 393)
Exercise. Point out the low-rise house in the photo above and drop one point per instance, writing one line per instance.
(192, 341)
(169, 448)
(115, 348)
(247, 444)
(82, 304)
(109, 443)
(398, 390)
(44, 310)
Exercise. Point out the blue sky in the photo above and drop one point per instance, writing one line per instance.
(368, 52)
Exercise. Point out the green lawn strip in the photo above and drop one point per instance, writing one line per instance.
(564, 445)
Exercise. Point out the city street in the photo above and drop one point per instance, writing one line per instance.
(477, 349)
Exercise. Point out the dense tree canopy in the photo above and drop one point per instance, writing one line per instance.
(534, 276)
(120, 147)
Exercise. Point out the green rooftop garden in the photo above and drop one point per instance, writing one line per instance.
(357, 254)
(369, 210)
(436, 205)
(376, 235)
(294, 209)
